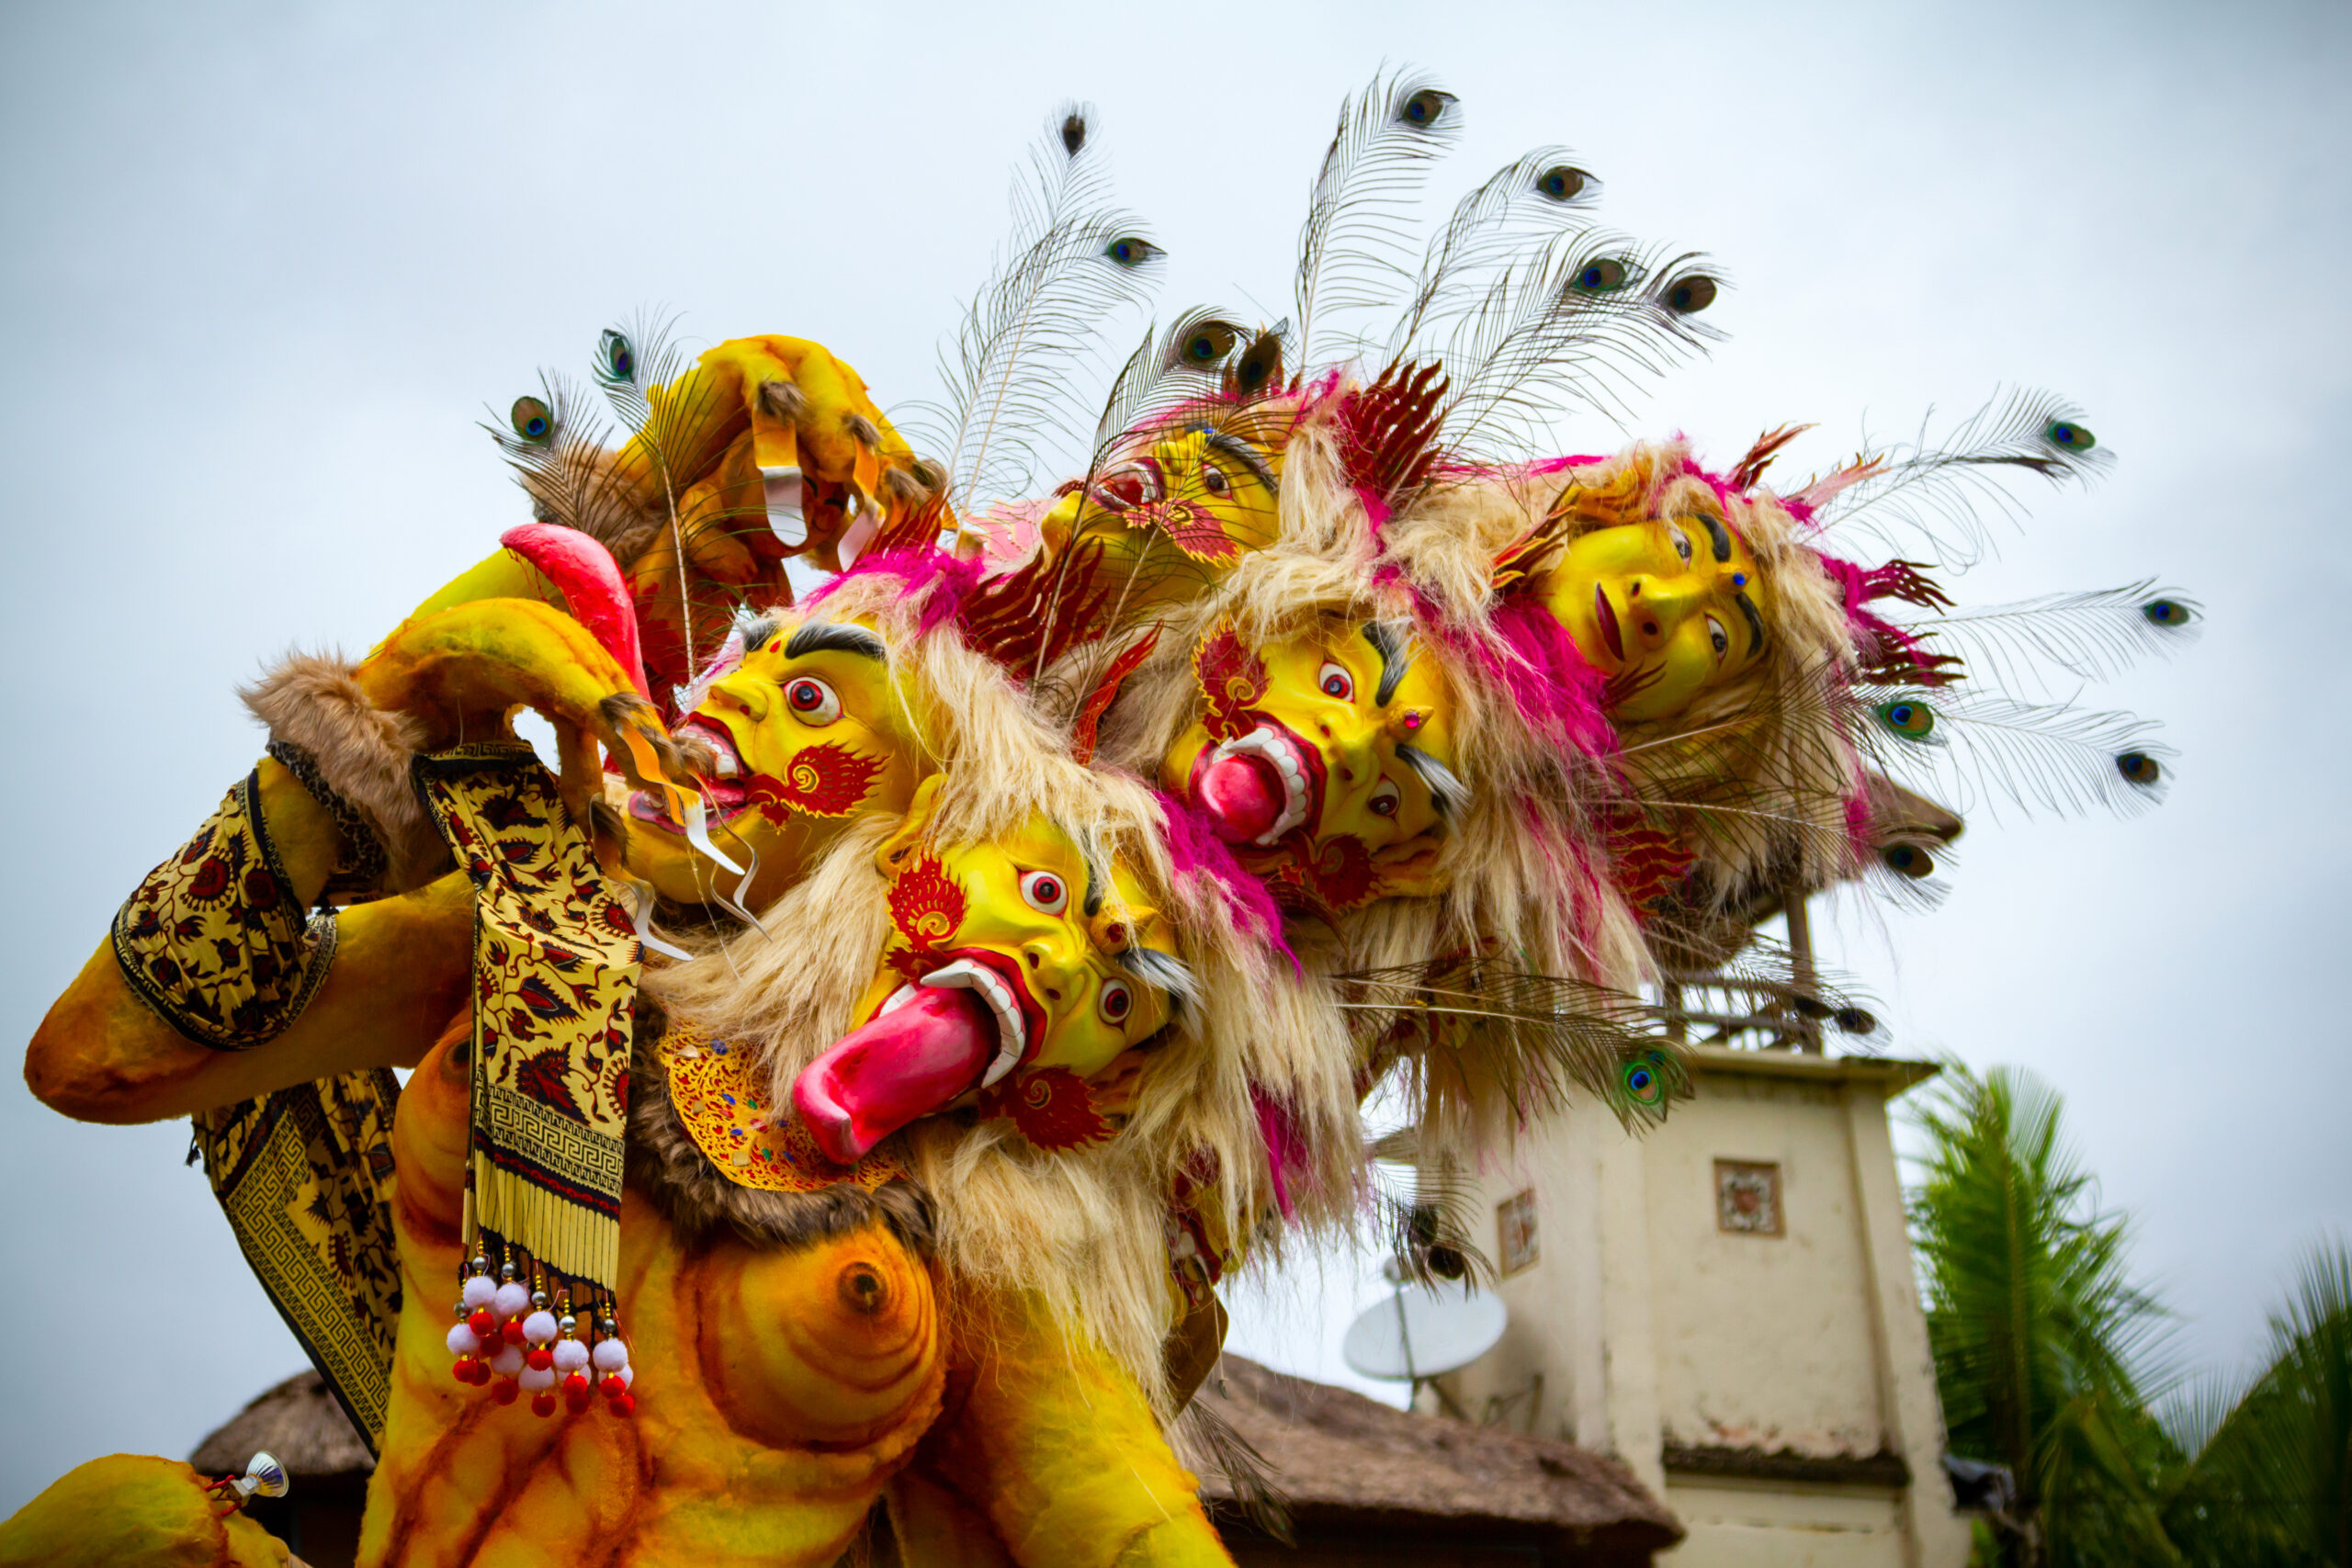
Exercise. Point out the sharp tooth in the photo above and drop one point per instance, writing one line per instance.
(897, 1000)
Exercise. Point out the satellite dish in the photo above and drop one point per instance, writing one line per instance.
(1423, 1331)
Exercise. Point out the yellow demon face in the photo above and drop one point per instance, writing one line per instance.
(1175, 517)
(808, 728)
(1325, 760)
(1664, 609)
(1013, 962)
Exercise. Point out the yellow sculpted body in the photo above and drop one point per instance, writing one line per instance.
(778, 1391)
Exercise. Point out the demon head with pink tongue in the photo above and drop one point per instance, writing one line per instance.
(1008, 958)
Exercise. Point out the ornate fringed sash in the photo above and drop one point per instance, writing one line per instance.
(555, 972)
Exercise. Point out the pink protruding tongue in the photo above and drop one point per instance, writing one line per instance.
(1241, 795)
(903, 1064)
(592, 589)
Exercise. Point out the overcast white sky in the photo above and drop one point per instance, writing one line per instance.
(266, 264)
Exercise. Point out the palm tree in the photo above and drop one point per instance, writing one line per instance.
(2036, 1331)
(2271, 1481)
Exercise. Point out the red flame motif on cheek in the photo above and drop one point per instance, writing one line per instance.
(1052, 1107)
(1231, 680)
(925, 904)
(1192, 529)
(828, 780)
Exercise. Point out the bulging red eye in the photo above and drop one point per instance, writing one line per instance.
(1117, 1000)
(811, 700)
(1335, 682)
(1213, 481)
(1044, 892)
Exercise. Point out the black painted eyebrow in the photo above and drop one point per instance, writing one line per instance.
(1718, 536)
(1395, 657)
(1447, 791)
(1241, 452)
(1092, 902)
(1755, 623)
(830, 637)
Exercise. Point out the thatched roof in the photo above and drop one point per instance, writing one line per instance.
(299, 1422)
(1343, 1458)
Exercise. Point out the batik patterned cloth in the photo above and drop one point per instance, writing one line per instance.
(302, 1176)
(722, 1098)
(214, 940)
(556, 969)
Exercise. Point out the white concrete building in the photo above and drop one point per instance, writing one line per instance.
(1727, 1306)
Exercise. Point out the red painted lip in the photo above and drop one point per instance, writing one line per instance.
(1606, 613)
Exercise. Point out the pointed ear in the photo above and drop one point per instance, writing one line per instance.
(893, 851)
(1410, 870)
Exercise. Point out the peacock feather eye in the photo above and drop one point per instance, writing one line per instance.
(1209, 344)
(2139, 767)
(1644, 1082)
(1690, 294)
(1132, 251)
(616, 357)
(1562, 182)
(2065, 434)
(1605, 275)
(1258, 363)
(1911, 720)
(2167, 612)
(1425, 108)
(1908, 859)
(531, 419)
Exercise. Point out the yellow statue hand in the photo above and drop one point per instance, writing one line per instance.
(132, 1511)
(461, 671)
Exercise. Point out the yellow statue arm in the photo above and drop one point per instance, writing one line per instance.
(1056, 1448)
(401, 969)
(402, 964)
(132, 1511)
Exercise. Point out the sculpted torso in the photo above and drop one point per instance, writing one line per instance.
(777, 1391)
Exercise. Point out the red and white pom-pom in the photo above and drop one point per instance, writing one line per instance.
(508, 1362)
(568, 1355)
(481, 1290)
(540, 1327)
(507, 1391)
(463, 1342)
(464, 1368)
(543, 1405)
(511, 1300)
(610, 1355)
(484, 1323)
(536, 1379)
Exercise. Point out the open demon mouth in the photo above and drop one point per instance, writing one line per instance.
(960, 1027)
(1605, 615)
(1256, 787)
(724, 792)
(1139, 484)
